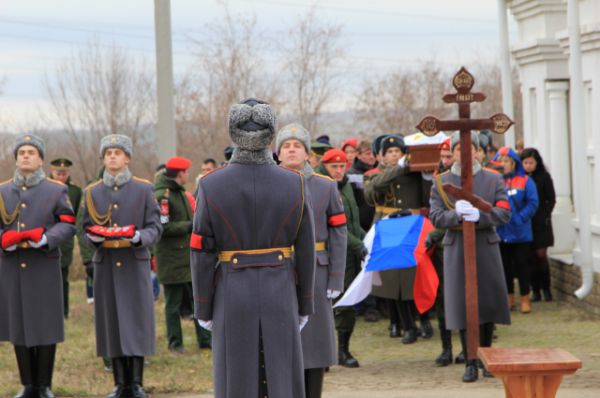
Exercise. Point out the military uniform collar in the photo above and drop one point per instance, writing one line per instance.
(307, 170)
(119, 180)
(31, 180)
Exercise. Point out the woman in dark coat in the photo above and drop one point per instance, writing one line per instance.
(543, 236)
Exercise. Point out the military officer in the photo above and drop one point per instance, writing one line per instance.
(122, 220)
(333, 164)
(318, 336)
(173, 250)
(448, 214)
(61, 171)
(393, 189)
(36, 217)
(247, 286)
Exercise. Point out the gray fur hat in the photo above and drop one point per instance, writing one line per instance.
(293, 131)
(252, 124)
(455, 139)
(116, 141)
(30, 139)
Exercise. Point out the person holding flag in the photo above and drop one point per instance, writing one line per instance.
(318, 336)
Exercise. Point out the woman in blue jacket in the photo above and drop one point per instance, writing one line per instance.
(517, 234)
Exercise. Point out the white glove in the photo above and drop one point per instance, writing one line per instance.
(462, 207)
(42, 242)
(205, 324)
(136, 238)
(472, 215)
(333, 294)
(11, 248)
(402, 162)
(95, 238)
(302, 321)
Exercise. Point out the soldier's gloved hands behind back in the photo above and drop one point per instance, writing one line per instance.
(462, 207)
(333, 294)
(302, 321)
(40, 243)
(472, 215)
(205, 324)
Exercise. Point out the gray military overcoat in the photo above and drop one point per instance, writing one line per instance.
(31, 298)
(318, 336)
(249, 207)
(123, 300)
(493, 300)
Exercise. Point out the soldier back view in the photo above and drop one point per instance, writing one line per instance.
(247, 286)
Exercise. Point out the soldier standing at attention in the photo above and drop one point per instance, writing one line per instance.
(36, 217)
(248, 288)
(334, 165)
(122, 220)
(173, 250)
(318, 336)
(61, 171)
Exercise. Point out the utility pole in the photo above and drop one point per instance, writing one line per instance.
(165, 127)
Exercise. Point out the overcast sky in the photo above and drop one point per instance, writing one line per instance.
(379, 35)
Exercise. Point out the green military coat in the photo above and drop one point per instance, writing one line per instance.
(173, 250)
(66, 248)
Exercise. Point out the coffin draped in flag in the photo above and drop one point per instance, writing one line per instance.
(397, 243)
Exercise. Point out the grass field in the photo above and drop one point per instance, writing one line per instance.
(386, 364)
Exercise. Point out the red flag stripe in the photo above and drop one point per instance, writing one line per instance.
(503, 204)
(426, 279)
(196, 242)
(67, 218)
(337, 220)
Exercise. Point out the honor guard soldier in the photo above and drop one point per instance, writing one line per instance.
(333, 164)
(395, 189)
(318, 336)
(36, 218)
(61, 171)
(253, 263)
(448, 214)
(173, 250)
(122, 220)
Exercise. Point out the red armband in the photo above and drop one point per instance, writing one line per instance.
(503, 204)
(337, 220)
(196, 241)
(68, 218)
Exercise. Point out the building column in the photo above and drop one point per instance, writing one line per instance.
(559, 165)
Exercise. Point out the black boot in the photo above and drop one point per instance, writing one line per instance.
(535, 296)
(410, 336)
(394, 330)
(405, 310)
(486, 336)
(137, 377)
(45, 366)
(445, 358)
(471, 372)
(460, 358)
(25, 362)
(119, 369)
(426, 330)
(345, 358)
(547, 295)
(313, 382)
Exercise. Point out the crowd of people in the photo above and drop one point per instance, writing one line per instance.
(260, 251)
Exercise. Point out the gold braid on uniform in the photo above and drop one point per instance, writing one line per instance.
(98, 219)
(443, 195)
(8, 219)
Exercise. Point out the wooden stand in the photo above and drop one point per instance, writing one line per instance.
(529, 372)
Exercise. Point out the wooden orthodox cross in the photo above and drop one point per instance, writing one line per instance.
(463, 82)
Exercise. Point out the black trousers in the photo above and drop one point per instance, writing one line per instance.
(540, 277)
(515, 259)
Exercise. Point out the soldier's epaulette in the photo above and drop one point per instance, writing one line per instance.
(444, 173)
(491, 170)
(324, 177)
(52, 180)
(5, 182)
(138, 179)
(93, 184)
(212, 171)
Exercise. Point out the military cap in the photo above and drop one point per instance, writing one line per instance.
(445, 145)
(455, 139)
(30, 139)
(392, 141)
(178, 163)
(319, 148)
(293, 131)
(334, 156)
(61, 164)
(376, 145)
(324, 139)
(116, 141)
(252, 124)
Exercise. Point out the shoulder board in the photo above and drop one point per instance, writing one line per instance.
(5, 182)
(212, 171)
(491, 170)
(324, 177)
(54, 181)
(93, 184)
(141, 180)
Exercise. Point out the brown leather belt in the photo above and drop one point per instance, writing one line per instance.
(116, 244)
(389, 210)
(227, 255)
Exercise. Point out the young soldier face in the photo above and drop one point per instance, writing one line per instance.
(480, 155)
(293, 154)
(456, 153)
(115, 160)
(60, 175)
(336, 170)
(366, 156)
(446, 157)
(314, 160)
(392, 156)
(28, 159)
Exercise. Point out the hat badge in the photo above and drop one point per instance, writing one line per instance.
(392, 139)
(113, 139)
(27, 138)
(338, 158)
(293, 129)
